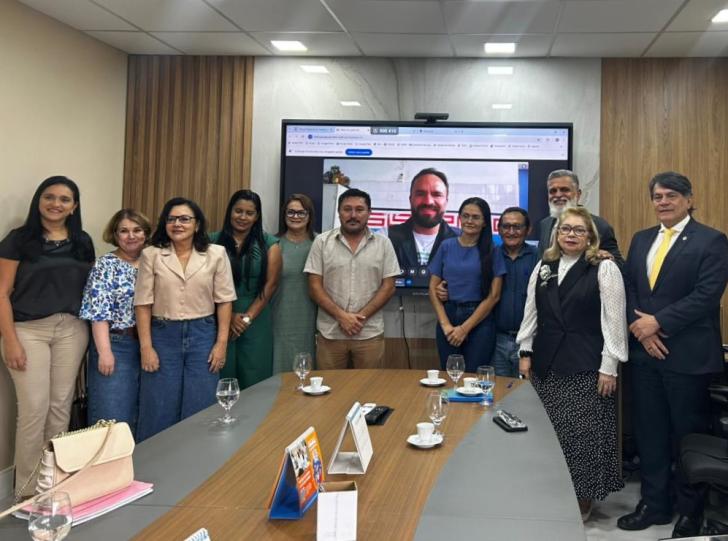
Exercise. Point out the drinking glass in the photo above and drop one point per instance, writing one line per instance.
(437, 404)
(50, 517)
(486, 381)
(455, 367)
(227, 394)
(302, 365)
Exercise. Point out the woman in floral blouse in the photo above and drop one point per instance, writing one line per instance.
(108, 302)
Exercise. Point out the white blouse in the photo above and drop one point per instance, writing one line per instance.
(613, 312)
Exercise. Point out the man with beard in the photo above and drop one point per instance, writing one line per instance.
(420, 236)
(563, 192)
(351, 277)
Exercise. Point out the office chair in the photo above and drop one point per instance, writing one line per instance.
(704, 457)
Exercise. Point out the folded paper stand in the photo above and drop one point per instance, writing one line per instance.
(336, 514)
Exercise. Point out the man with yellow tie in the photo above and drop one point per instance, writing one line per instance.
(675, 275)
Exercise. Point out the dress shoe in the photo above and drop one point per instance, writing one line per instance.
(585, 507)
(686, 526)
(643, 517)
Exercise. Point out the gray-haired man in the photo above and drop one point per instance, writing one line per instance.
(563, 192)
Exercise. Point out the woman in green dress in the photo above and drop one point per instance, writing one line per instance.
(255, 259)
(294, 313)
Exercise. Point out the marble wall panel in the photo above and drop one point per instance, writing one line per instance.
(541, 90)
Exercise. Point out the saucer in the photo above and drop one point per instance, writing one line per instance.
(469, 391)
(414, 439)
(427, 382)
(323, 390)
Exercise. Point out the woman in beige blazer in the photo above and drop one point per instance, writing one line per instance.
(183, 301)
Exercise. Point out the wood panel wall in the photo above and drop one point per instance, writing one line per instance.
(188, 131)
(659, 115)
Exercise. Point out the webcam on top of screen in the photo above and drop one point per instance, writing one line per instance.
(431, 118)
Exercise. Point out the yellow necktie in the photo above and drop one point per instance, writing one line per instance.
(660, 256)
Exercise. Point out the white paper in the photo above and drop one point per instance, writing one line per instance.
(336, 516)
(353, 462)
(199, 535)
(360, 432)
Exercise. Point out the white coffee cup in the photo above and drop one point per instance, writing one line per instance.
(316, 382)
(425, 431)
(469, 382)
(433, 375)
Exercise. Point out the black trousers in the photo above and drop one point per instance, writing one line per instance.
(667, 407)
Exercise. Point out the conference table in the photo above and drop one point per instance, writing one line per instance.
(481, 483)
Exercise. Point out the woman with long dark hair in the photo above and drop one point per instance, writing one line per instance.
(108, 303)
(294, 313)
(43, 268)
(183, 300)
(473, 271)
(255, 259)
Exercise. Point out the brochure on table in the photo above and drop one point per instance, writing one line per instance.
(299, 476)
(353, 462)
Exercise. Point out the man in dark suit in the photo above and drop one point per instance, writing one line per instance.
(676, 273)
(563, 191)
(420, 236)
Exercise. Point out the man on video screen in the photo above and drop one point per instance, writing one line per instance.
(420, 236)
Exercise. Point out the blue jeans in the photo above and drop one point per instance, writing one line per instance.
(183, 385)
(477, 347)
(115, 396)
(505, 357)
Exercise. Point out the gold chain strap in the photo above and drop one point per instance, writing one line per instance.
(102, 423)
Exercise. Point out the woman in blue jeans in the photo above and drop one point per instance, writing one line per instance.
(473, 272)
(108, 302)
(183, 302)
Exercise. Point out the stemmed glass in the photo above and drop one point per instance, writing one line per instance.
(50, 517)
(437, 404)
(486, 381)
(302, 365)
(455, 367)
(227, 394)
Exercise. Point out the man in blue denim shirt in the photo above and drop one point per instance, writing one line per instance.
(520, 260)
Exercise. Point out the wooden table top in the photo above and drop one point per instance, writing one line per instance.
(233, 503)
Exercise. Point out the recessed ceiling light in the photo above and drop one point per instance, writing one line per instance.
(289, 46)
(500, 70)
(350, 104)
(500, 48)
(721, 16)
(502, 106)
(310, 68)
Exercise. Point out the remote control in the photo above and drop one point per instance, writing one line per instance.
(377, 415)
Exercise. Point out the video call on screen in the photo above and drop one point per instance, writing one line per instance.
(505, 164)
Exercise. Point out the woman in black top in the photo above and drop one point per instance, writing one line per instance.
(43, 268)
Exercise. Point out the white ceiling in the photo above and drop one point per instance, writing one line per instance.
(396, 28)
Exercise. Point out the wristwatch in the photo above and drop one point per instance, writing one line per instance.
(247, 319)
(525, 353)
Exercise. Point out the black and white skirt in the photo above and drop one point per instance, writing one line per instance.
(586, 425)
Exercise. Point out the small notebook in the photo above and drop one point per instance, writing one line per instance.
(100, 506)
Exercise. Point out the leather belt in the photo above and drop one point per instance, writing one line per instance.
(129, 331)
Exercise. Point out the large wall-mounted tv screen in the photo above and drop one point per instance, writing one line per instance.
(505, 164)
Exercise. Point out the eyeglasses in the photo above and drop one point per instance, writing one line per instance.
(578, 230)
(183, 219)
(471, 217)
(512, 227)
(290, 213)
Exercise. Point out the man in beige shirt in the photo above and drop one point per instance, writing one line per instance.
(351, 277)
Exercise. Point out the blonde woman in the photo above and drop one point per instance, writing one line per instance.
(572, 339)
(108, 303)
